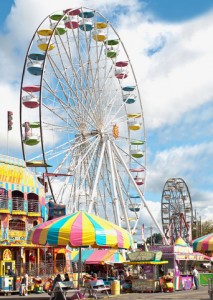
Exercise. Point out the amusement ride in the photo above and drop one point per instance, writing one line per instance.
(176, 210)
(81, 117)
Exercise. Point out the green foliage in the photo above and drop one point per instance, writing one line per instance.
(155, 239)
(207, 227)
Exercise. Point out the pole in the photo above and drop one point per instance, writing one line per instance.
(79, 267)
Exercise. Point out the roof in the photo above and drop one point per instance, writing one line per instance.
(99, 256)
(163, 262)
(84, 255)
(105, 257)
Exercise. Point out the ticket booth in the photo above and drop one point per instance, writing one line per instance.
(7, 264)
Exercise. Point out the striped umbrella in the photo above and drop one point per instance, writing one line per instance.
(79, 230)
(203, 243)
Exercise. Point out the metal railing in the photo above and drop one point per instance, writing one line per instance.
(19, 204)
(48, 269)
(4, 203)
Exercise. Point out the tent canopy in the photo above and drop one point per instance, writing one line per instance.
(99, 257)
(84, 255)
(203, 243)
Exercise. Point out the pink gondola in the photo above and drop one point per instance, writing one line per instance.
(72, 12)
(139, 181)
(31, 88)
(122, 64)
(137, 170)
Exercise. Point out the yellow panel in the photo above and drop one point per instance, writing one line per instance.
(134, 127)
(43, 47)
(19, 212)
(34, 214)
(163, 262)
(45, 32)
(100, 25)
(16, 233)
(99, 37)
(6, 211)
(133, 115)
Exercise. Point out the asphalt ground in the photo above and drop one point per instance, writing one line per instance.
(202, 293)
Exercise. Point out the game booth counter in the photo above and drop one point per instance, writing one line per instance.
(146, 268)
(181, 259)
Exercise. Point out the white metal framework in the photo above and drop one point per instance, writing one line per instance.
(81, 116)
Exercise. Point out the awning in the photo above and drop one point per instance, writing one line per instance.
(84, 255)
(101, 257)
(163, 262)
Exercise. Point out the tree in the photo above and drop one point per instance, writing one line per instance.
(156, 238)
(207, 227)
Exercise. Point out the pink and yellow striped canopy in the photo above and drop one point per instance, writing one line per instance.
(80, 229)
(203, 243)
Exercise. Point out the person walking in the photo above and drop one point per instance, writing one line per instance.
(195, 276)
(22, 290)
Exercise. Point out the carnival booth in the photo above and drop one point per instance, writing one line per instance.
(146, 270)
(7, 271)
(181, 258)
(204, 244)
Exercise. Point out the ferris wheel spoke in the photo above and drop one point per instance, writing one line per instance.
(75, 74)
(61, 118)
(86, 153)
(138, 190)
(97, 177)
(56, 70)
(88, 165)
(118, 180)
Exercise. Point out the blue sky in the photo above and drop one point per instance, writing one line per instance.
(177, 10)
(171, 48)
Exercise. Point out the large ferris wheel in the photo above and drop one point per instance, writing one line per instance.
(176, 210)
(81, 116)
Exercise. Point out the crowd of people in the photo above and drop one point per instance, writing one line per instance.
(124, 275)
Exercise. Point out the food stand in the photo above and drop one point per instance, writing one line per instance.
(146, 270)
(180, 258)
(204, 244)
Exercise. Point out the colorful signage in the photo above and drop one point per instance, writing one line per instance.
(7, 255)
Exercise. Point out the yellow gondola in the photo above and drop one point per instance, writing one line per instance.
(43, 45)
(45, 32)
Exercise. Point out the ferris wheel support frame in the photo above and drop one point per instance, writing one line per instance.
(139, 192)
(97, 177)
(121, 198)
(115, 199)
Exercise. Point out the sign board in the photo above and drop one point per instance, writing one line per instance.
(144, 256)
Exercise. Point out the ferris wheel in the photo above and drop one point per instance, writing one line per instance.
(176, 210)
(81, 117)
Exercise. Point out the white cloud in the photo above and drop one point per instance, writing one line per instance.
(179, 77)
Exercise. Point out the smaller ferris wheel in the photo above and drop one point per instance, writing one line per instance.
(176, 210)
